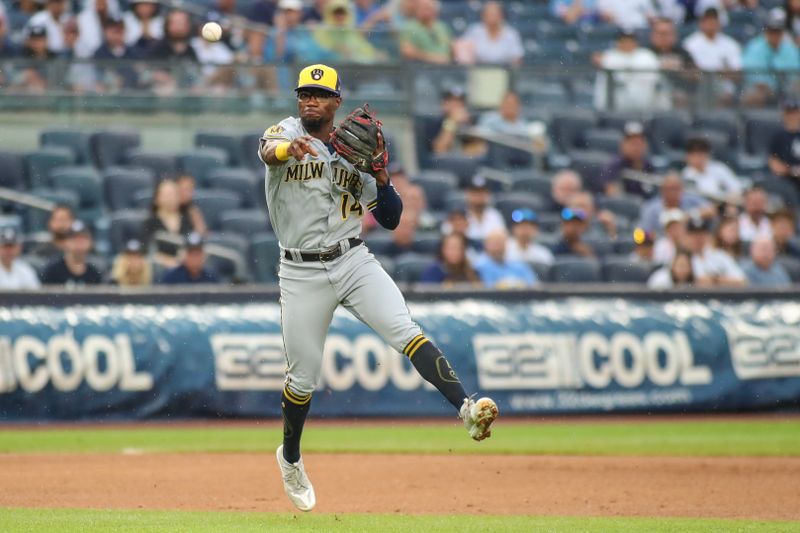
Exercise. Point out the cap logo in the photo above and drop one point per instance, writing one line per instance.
(317, 73)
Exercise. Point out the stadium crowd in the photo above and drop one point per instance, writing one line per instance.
(626, 191)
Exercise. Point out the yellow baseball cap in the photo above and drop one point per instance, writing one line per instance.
(319, 77)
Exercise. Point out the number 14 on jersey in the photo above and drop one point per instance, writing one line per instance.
(355, 207)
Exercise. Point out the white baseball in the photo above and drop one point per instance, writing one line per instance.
(212, 32)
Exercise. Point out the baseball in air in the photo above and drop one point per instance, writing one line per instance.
(212, 32)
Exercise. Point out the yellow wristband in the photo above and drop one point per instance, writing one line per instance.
(282, 151)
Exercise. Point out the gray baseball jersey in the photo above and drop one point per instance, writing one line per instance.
(317, 203)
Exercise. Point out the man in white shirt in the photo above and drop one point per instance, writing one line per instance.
(521, 245)
(709, 177)
(507, 120)
(634, 74)
(482, 219)
(52, 17)
(15, 274)
(711, 49)
(754, 222)
(711, 266)
(634, 14)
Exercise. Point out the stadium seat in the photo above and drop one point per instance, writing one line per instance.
(230, 268)
(542, 271)
(602, 245)
(12, 170)
(85, 182)
(455, 200)
(249, 148)
(235, 241)
(425, 130)
(379, 242)
(427, 242)
(505, 157)
(567, 129)
(244, 221)
(759, 128)
(163, 165)
(408, 268)
(40, 163)
(74, 139)
(228, 141)
(588, 164)
(792, 266)
(550, 222)
(534, 184)
(616, 120)
(241, 181)
(124, 225)
(108, 147)
(668, 131)
(142, 199)
(781, 190)
(462, 166)
(576, 270)
(120, 184)
(624, 246)
(622, 270)
(264, 257)
(603, 140)
(36, 219)
(199, 163)
(724, 121)
(213, 202)
(436, 185)
(506, 203)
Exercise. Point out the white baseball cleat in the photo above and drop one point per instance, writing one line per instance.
(478, 416)
(296, 483)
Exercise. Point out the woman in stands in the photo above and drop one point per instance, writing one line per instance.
(453, 265)
(678, 274)
(726, 238)
(131, 268)
(167, 226)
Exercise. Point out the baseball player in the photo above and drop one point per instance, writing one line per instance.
(320, 182)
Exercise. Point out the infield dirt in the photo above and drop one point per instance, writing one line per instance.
(756, 488)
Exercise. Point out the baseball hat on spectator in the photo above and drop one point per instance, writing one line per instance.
(113, 21)
(194, 241)
(79, 228)
(776, 19)
(294, 5)
(697, 224)
(627, 33)
(698, 144)
(568, 214)
(643, 238)
(478, 182)
(633, 128)
(711, 12)
(8, 236)
(454, 92)
(669, 216)
(37, 31)
(133, 246)
(518, 216)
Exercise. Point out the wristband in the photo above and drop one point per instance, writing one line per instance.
(282, 152)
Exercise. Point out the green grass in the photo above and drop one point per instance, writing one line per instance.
(697, 437)
(89, 521)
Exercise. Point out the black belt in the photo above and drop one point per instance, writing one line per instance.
(329, 254)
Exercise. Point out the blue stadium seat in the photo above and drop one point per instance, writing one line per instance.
(12, 170)
(379, 242)
(228, 141)
(40, 163)
(85, 182)
(567, 129)
(759, 128)
(569, 269)
(436, 185)
(724, 121)
(163, 165)
(108, 147)
(213, 202)
(601, 244)
(588, 164)
(603, 140)
(264, 257)
(121, 183)
(234, 241)
(244, 221)
(792, 266)
(199, 163)
(124, 225)
(408, 267)
(505, 157)
(532, 183)
(249, 148)
(542, 271)
(427, 242)
(241, 181)
(74, 139)
(426, 127)
(668, 131)
(781, 190)
(622, 270)
(462, 166)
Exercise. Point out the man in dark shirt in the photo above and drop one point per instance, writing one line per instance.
(73, 268)
(114, 48)
(58, 225)
(573, 227)
(784, 149)
(193, 268)
(632, 158)
(177, 33)
(664, 44)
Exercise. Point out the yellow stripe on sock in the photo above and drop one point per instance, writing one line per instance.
(414, 350)
(411, 343)
(295, 398)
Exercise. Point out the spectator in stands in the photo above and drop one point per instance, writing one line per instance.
(644, 250)
(709, 177)
(496, 271)
(784, 147)
(784, 227)
(339, 35)
(761, 268)
(263, 11)
(507, 120)
(403, 235)
(632, 71)
(131, 268)
(291, 42)
(314, 13)
(426, 38)
(771, 51)
(15, 274)
(711, 266)
(73, 268)
(92, 22)
(607, 227)
(58, 225)
(456, 117)
(193, 266)
(483, 219)
(52, 17)
(186, 186)
(79, 77)
(664, 44)
(452, 265)
(573, 228)
(713, 51)
(792, 8)
(167, 219)
(522, 245)
(673, 224)
(458, 224)
(413, 196)
(754, 222)
(632, 160)
(114, 78)
(565, 184)
(632, 14)
(679, 273)
(575, 11)
(401, 11)
(33, 76)
(726, 238)
(673, 197)
(144, 26)
(372, 16)
(7, 48)
(224, 13)
(176, 41)
(491, 41)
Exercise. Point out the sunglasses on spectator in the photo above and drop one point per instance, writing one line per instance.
(568, 214)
